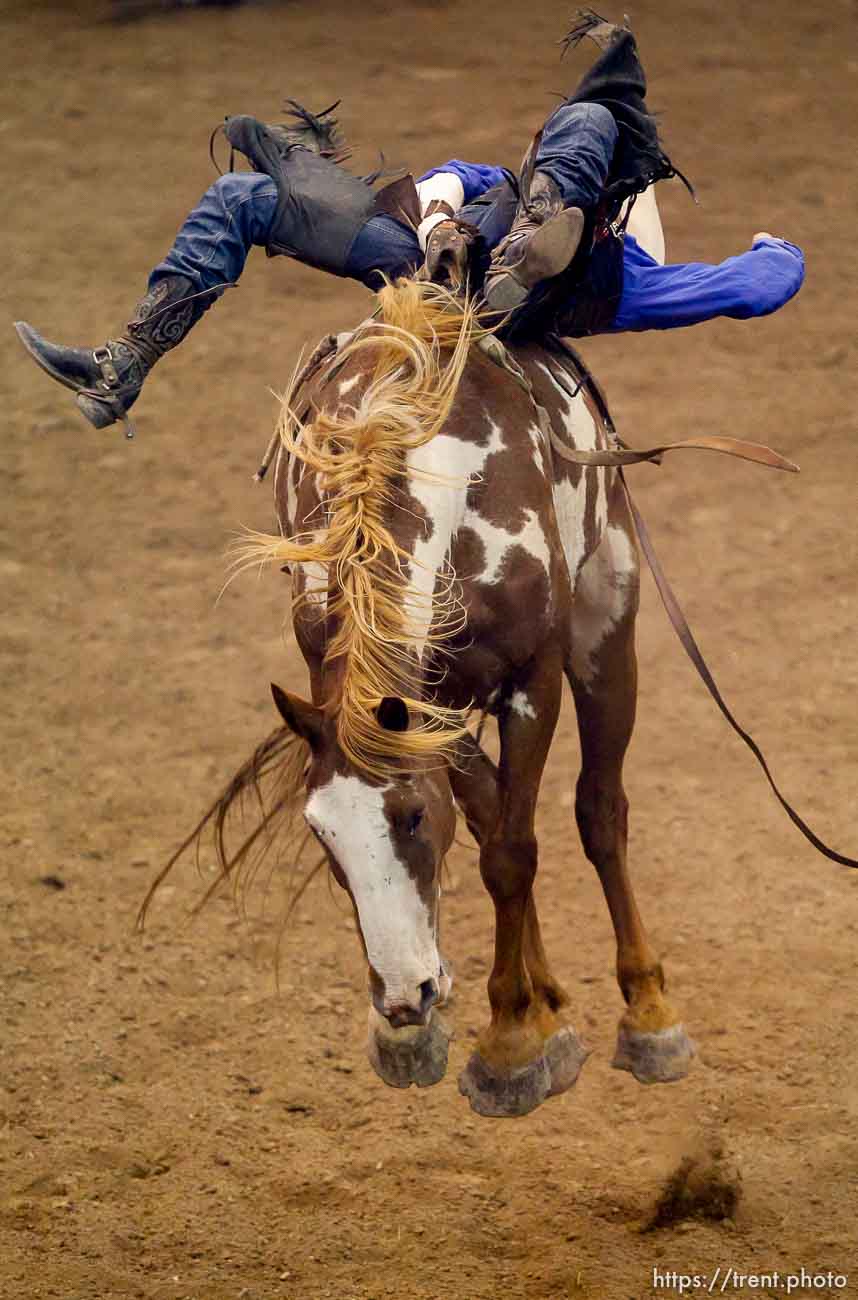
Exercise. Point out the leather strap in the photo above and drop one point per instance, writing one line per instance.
(689, 645)
(616, 458)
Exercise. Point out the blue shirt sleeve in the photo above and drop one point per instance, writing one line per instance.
(754, 283)
(476, 178)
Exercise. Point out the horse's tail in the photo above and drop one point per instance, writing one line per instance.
(414, 355)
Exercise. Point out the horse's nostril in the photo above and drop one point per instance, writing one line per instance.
(407, 1013)
(428, 994)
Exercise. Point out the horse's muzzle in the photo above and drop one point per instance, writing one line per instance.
(401, 1013)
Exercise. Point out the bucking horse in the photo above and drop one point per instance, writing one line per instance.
(448, 562)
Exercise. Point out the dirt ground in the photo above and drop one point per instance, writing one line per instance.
(173, 1126)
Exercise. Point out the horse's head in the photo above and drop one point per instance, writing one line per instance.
(385, 842)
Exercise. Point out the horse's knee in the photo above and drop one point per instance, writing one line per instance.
(508, 867)
(637, 981)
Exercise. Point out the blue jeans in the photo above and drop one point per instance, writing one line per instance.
(212, 245)
(237, 211)
(576, 148)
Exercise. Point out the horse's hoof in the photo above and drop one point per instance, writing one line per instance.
(565, 1054)
(509, 1093)
(661, 1057)
(414, 1054)
(503, 1094)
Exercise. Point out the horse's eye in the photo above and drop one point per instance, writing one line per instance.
(413, 822)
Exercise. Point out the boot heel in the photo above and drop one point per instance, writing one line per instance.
(551, 248)
(547, 253)
(100, 414)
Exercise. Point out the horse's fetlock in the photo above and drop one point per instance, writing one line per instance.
(555, 997)
(640, 982)
(509, 995)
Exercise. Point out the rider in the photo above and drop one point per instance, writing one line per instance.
(570, 247)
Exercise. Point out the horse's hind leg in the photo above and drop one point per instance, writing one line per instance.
(602, 671)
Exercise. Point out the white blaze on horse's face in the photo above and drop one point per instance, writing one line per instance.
(387, 843)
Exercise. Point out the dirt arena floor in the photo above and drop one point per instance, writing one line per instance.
(173, 1126)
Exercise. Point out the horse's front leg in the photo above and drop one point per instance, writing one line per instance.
(474, 781)
(525, 1054)
(602, 670)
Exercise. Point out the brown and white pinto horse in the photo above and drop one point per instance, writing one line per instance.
(442, 563)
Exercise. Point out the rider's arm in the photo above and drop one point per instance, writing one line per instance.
(754, 283)
(441, 195)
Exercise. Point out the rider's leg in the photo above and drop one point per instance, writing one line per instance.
(575, 152)
(568, 176)
(382, 247)
(212, 245)
(209, 252)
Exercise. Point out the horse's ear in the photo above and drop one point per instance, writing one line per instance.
(392, 714)
(300, 716)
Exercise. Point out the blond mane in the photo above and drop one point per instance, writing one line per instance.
(414, 352)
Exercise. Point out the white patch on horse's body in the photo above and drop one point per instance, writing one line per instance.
(520, 704)
(570, 504)
(537, 438)
(348, 384)
(456, 465)
(570, 500)
(498, 542)
(294, 469)
(606, 588)
(316, 578)
(348, 816)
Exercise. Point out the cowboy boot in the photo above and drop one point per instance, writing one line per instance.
(542, 241)
(108, 379)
